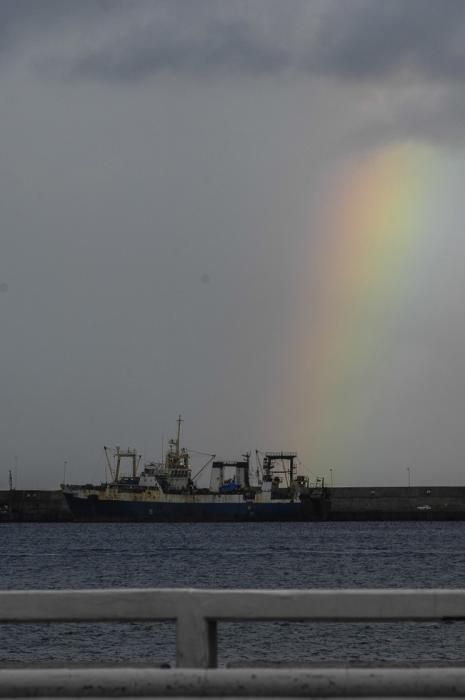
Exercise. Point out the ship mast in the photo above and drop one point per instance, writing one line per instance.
(178, 438)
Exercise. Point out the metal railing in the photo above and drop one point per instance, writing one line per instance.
(197, 613)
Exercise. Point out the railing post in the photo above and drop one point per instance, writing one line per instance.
(196, 641)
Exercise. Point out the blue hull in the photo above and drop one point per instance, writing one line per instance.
(92, 510)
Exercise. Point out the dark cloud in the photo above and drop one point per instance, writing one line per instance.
(417, 39)
(24, 21)
(217, 47)
(344, 39)
(18, 17)
(394, 46)
(381, 46)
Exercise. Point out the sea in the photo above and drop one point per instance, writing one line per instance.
(248, 555)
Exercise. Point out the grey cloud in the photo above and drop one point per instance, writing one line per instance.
(378, 40)
(344, 39)
(26, 20)
(410, 59)
(21, 15)
(431, 115)
(396, 47)
(382, 46)
(217, 47)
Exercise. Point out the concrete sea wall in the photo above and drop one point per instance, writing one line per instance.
(33, 506)
(397, 503)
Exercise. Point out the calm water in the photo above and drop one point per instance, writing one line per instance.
(289, 555)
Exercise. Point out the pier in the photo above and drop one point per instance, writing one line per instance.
(196, 614)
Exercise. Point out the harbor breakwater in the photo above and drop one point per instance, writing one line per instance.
(397, 503)
(31, 506)
(341, 503)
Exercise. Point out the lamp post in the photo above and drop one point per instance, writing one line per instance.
(331, 477)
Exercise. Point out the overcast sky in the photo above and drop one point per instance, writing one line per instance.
(163, 170)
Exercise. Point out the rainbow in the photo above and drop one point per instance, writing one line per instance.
(373, 218)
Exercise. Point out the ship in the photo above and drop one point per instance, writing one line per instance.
(166, 491)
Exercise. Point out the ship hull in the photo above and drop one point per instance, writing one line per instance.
(96, 510)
